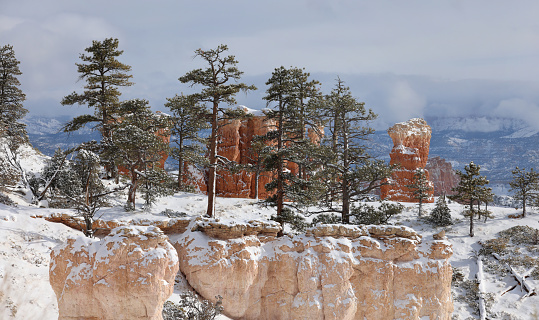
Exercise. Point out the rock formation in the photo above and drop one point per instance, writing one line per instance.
(411, 141)
(127, 275)
(236, 139)
(442, 175)
(103, 227)
(332, 272)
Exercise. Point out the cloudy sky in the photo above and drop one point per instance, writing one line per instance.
(403, 58)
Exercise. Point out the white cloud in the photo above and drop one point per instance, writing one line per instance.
(521, 109)
(404, 103)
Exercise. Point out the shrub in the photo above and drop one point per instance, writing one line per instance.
(6, 200)
(365, 214)
(326, 219)
(191, 308)
(296, 221)
(441, 214)
(496, 245)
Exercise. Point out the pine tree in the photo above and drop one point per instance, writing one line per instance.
(139, 144)
(525, 185)
(58, 181)
(217, 89)
(188, 118)
(421, 187)
(12, 131)
(291, 151)
(255, 156)
(11, 99)
(351, 172)
(104, 75)
(91, 193)
(441, 214)
(470, 189)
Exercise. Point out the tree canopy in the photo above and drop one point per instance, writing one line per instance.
(219, 82)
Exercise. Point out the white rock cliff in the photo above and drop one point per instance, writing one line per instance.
(332, 272)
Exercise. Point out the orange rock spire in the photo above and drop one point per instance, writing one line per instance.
(411, 142)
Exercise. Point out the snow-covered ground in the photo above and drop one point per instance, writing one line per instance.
(25, 245)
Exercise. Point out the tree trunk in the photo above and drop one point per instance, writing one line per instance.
(420, 202)
(213, 163)
(345, 187)
(523, 207)
(257, 177)
(345, 203)
(133, 188)
(280, 169)
(180, 164)
(471, 219)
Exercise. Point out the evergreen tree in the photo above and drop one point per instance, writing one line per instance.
(525, 185)
(90, 194)
(421, 187)
(155, 183)
(188, 118)
(470, 189)
(485, 196)
(255, 155)
(58, 182)
(441, 214)
(12, 131)
(11, 99)
(351, 172)
(139, 145)
(291, 151)
(103, 74)
(217, 89)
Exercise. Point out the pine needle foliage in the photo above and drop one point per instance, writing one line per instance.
(470, 190)
(441, 214)
(525, 187)
(421, 187)
(139, 146)
(293, 99)
(189, 117)
(104, 74)
(349, 172)
(219, 82)
(11, 99)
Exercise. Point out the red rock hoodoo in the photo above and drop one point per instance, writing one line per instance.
(411, 142)
(442, 175)
(235, 139)
(235, 144)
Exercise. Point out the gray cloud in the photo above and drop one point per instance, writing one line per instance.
(404, 59)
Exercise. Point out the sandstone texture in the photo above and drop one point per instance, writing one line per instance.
(235, 144)
(442, 175)
(127, 275)
(336, 272)
(411, 142)
(104, 227)
(236, 137)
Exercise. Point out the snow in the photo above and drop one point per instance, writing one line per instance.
(26, 243)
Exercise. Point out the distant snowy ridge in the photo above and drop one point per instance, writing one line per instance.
(476, 124)
(526, 132)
